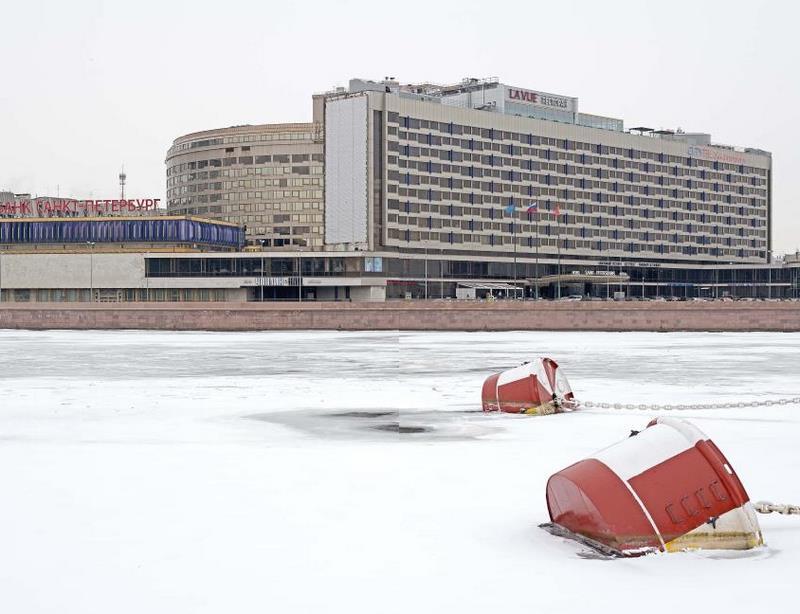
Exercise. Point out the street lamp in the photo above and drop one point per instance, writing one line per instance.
(733, 280)
(441, 272)
(644, 272)
(536, 274)
(301, 244)
(514, 241)
(425, 263)
(263, 277)
(558, 256)
(1, 275)
(91, 270)
(769, 272)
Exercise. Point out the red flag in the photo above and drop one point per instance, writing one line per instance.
(557, 210)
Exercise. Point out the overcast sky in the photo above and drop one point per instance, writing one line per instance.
(89, 85)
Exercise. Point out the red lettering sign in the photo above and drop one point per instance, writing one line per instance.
(45, 208)
(524, 95)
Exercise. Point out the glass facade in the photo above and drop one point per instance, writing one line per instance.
(539, 112)
(598, 121)
(143, 230)
(441, 275)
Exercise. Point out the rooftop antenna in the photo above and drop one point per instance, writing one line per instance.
(122, 178)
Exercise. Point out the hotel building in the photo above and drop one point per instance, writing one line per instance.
(482, 169)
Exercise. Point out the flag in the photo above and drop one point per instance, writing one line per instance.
(510, 208)
(556, 210)
(533, 208)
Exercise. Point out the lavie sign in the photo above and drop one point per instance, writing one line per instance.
(540, 98)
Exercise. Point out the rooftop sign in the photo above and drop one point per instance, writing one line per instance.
(716, 154)
(542, 99)
(43, 207)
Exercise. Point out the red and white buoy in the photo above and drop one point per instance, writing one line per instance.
(536, 387)
(666, 488)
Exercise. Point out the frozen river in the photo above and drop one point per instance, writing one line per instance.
(264, 472)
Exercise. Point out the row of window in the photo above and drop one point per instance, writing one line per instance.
(284, 206)
(244, 138)
(567, 240)
(235, 207)
(110, 295)
(263, 199)
(446, 167)
(177, 169)
(421, 144)
(675, 232)
(528, 184)
(254, 266)
(581, 201)
(259, 195)
(491, 166)
(190, 177)
(187, 178)
(450, 128)
(583, 213)
(403, 237)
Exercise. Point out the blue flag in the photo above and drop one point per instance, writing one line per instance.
(510, 208)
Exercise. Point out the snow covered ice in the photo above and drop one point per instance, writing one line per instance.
(349, 472)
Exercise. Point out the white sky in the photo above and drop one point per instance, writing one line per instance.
(89, 85)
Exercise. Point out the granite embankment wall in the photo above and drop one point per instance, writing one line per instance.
(418, 315)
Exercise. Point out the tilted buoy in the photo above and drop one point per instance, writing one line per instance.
(536, 387)
(666, 488)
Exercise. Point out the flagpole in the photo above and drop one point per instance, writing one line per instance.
(537, 253)
(514, 239)
(558, 249)
(534, 208)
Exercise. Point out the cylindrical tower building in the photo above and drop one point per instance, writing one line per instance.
(268, 178)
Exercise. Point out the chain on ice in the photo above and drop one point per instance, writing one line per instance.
(767, 507)
(762, 507)
(679, 406)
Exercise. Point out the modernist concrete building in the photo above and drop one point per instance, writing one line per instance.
(483, 169)
(267, 178)
(429, 191)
